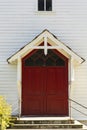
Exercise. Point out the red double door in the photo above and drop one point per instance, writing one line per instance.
(45, 90)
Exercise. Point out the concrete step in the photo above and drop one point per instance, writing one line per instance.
(45, 126)
(44, 121)
(45, 129)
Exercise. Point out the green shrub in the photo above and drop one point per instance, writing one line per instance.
(5, 113)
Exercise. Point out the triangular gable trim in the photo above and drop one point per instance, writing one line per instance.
(45, 36)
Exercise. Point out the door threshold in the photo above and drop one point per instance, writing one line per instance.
(44, 118)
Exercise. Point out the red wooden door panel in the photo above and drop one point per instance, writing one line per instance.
(56, 106)
(32, 91)
(56, 91)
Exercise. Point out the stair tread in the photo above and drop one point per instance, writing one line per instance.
(44, 122)
(47, 129)
(47, 124)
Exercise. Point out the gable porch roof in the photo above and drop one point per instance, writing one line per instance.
(46, 37)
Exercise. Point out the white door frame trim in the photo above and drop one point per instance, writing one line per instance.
(19, 79)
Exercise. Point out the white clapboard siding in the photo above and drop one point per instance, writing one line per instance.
(20, 22)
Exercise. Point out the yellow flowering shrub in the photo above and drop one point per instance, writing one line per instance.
(5, 113)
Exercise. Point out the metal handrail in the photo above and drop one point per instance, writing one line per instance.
(79, 105)
(79, 111)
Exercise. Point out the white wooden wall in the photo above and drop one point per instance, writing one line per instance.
(20, 22)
